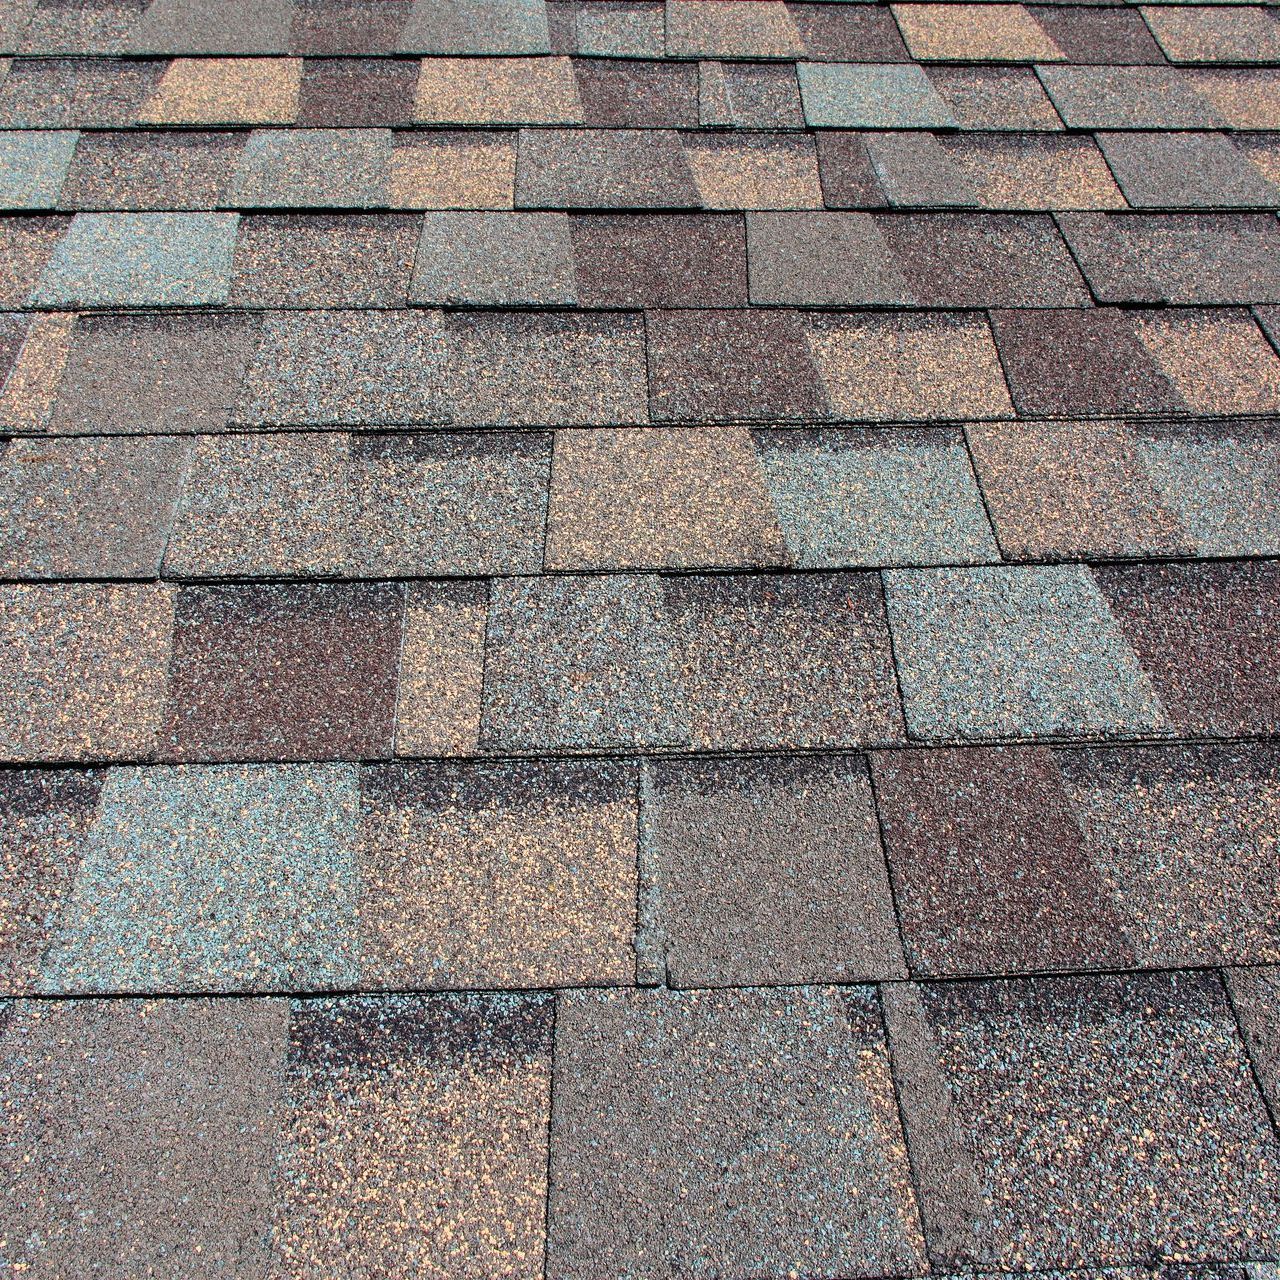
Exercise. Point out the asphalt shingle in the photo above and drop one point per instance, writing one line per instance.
(84, 670)
(1026, 859)
(141, 373)
(497, 875)
(1206, 637)
(313, 168)
(874, 496)
(664, 1146)
(682, 497)
(152, 169)
(323, 260)
(1006, 652)
(225, 91)
(88, 508)
(283, 672)
(767, 871)
(140, 259)
(1120, 1082)
(33, 165)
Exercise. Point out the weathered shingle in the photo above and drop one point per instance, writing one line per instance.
(476, 26)
(33, 165)
(313, 168)
(1188, 171)
(152, 169)
(1006, 652)
(140, 259)
(604, 169)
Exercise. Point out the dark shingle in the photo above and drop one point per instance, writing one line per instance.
(1091, 34)
(62, 93)
(285, 672)
(347, 26)
(1178, 258)
(151, 170)
(1208, 637)
(353, 92)
(628, 93)
(659, 260)
(604, 169)
(153, 372)
(1120, 1082)
(1016, 859)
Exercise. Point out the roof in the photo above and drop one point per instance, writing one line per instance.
(639, 639)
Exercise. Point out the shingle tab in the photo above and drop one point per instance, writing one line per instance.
(874, 496)
(84, 670)
(768, 871)
(365, 368)
(127, 373)
(231, 26)
(1206, 635)
(1183, 258)
(33, 166)
(1106, 362)
(156, 1116)
(497, 91)
(324, 260)
(1007, 652)
(659, 498)
(225, 91)
(1187, 171)
(317, 168)
(88, 508)
(152, 169)
(140, 259)
(975, 33)
(494, 259)
(659, 260)
(663, 1146)
(365, 1081)
(1085, 1071)
(604, 169)
(476, 26)
(851, 95)
(497, 875)
(208, 878)
(1076, 858)
(1202, 33)
(283, 672)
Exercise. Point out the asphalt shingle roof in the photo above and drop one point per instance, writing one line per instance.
(640, 639)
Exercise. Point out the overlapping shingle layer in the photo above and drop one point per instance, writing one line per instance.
(639, 639)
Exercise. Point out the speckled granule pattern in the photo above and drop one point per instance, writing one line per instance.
(1061, 1180)
(640, 639)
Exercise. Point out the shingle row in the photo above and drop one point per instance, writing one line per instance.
(627, 169)
(621, 1132)
(470, 504)
(46, 93)
(192, 372)
(596, 663)
(1001, 32)
(690, 873)
(645, 260)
